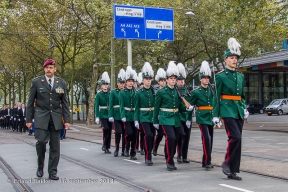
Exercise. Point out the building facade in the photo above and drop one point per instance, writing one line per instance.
(266, 77)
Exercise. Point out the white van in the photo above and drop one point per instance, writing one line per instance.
(277, 106)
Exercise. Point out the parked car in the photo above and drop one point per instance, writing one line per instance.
(277, 106)
(255, 108)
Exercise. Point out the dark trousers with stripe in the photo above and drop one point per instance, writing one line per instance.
(183, 140)
(130, 137)
(107, 129)
(118, 127)
(149, 132)
(234, 132)
(207, 142)
(158, 138)
(171, 135)
(140, 138)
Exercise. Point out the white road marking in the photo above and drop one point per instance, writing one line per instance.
(132, 161)
(83, 127)
(85, 149)
(236, 188)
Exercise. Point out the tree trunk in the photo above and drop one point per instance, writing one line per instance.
(90, 114)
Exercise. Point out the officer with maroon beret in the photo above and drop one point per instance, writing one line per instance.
(51, 104)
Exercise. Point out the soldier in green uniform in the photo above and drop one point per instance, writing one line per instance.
(48, 92)
(229, 104)
(186, 117)
(166, 113)
(161, 80)
(140, 136)
(101, 105)
(114, 113)
(126, 100)
(144, 106)
(202, 97)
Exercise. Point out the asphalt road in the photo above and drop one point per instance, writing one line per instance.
(84, 167)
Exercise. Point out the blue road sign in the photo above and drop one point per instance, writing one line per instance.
(143, 23)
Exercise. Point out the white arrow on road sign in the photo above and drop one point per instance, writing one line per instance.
(123, 32)
(136, 31)
(160, 32)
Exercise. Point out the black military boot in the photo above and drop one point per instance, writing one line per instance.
(116, 153)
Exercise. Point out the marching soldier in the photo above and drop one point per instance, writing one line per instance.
(101, 111)
(140, 136)
(144, 106)
(49, 91)
(161, 79)
(186, 117)
(202, 98)
(126, 100)
(166, 113)
(114, 113)
(229, 104)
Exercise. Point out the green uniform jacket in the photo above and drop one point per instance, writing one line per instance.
(202, 97)
(101, 104)
(48, 103)
(168, 98)
(229, 83)
(114, 100)
(126, 99)
(185, 115)
(144, 98)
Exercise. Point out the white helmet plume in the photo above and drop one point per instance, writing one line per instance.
(182, 71)
(172, 69)
(105, 78)
(234, 46)
(147, 70)
(121, 76)
(161, 74)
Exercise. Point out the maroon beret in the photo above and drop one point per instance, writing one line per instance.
(48, 62)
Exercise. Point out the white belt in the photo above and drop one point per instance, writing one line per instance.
(169, 110)
(129, 109)
(147, 109)
(116, 106)
(103, 107)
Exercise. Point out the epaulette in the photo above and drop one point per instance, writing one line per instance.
(37, 78)
(221, 71)
(239, 71)
(58, 78)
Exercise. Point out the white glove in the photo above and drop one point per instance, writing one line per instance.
(156, 126)
(190, 108)
(18, 119)
(111, 119)
(25, 118)
(124, 119)
(216, 121)
(33, 120)
(188, 124)
(14, 119)
(136, 124)
(246, 113)
(97, 120)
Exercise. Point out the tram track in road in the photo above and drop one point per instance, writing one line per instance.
(96, 169)
(14, 178)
